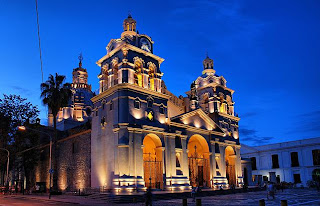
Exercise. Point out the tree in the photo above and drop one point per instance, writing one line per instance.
(15, 111)
(55, 94)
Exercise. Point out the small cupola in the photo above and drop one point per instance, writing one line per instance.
(208, 66)
(129, 26)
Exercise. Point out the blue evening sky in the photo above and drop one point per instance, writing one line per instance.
(268, 51)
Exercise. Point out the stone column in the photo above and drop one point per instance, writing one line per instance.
(167, 156)
(238, 163)
(131, 161)
(138, 153)
(184, 158)
(222, 165)
(172, 144)
(213, 161)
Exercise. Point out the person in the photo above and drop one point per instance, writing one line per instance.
(149, 197)
(193, 194)
(270, 190)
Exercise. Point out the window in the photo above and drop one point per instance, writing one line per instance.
(294, 159)
(178, 160)
(253, 163)
(103, 105)
(150, 103)
(265, 178)
(275, 161)
(111, 105)
(75, 147)
(296, 178)
(137, 103)
(161, 109)
(103, 121)
(97, 114)
(316, 156)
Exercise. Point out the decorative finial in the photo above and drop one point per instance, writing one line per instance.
(80, 60)
(207, 54)
(129, 14)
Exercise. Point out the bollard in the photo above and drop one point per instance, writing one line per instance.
(79, 192)
(184, 202)
(284, 203)
(262, 202)
(198, 202)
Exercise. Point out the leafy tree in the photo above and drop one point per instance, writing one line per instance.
(55, 94)
(15, 111)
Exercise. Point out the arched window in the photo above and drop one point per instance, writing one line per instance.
(161, 109)
(115, 68)
(137, 104)
(152, 69)
(150, 102)
(138, 67)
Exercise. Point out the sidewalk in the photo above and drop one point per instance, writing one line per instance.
(77, 200)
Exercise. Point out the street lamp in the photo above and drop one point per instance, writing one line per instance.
(24, 128)
(7, 178)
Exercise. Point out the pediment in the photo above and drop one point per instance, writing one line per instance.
(198, 119)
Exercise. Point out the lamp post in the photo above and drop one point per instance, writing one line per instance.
(23, 128)
(7, 178)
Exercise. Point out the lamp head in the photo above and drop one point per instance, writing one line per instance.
(22, 128)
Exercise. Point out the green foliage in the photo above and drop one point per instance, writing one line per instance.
(55, 94)
(15, 111)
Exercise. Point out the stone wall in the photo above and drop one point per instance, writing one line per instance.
(73, 165)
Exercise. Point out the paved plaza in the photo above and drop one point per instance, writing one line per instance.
(294, 197)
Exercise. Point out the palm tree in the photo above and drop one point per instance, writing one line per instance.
(55, 94)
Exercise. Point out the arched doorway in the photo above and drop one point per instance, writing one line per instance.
(152, 161)
(199, 163)
(230, 165)
(316, 175)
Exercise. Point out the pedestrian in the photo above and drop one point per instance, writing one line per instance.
(149, 197)
(270, 190)
(193, 194)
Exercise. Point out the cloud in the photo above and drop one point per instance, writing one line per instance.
(306, 123)
(249, 114)
(21, 91)
(250, 137)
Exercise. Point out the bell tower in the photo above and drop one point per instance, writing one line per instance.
(129, 26)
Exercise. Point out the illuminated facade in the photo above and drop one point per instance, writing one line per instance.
(144, 136)
(80, 106)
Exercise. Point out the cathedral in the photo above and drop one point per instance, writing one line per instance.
(141, 135)
(144, 136)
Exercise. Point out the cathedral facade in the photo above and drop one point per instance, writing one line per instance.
(144, 136)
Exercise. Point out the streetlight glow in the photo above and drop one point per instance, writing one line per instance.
(21, 128)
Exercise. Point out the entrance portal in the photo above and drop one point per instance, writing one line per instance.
(152, 161)
(198, 159)
(230, 165)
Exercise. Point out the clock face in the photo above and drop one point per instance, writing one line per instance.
(145, 44)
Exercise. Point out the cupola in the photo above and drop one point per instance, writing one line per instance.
(129, 26)
(208, 66)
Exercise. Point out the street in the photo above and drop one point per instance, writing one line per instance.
(293, 196)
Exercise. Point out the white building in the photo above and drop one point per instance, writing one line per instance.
(294, 161)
